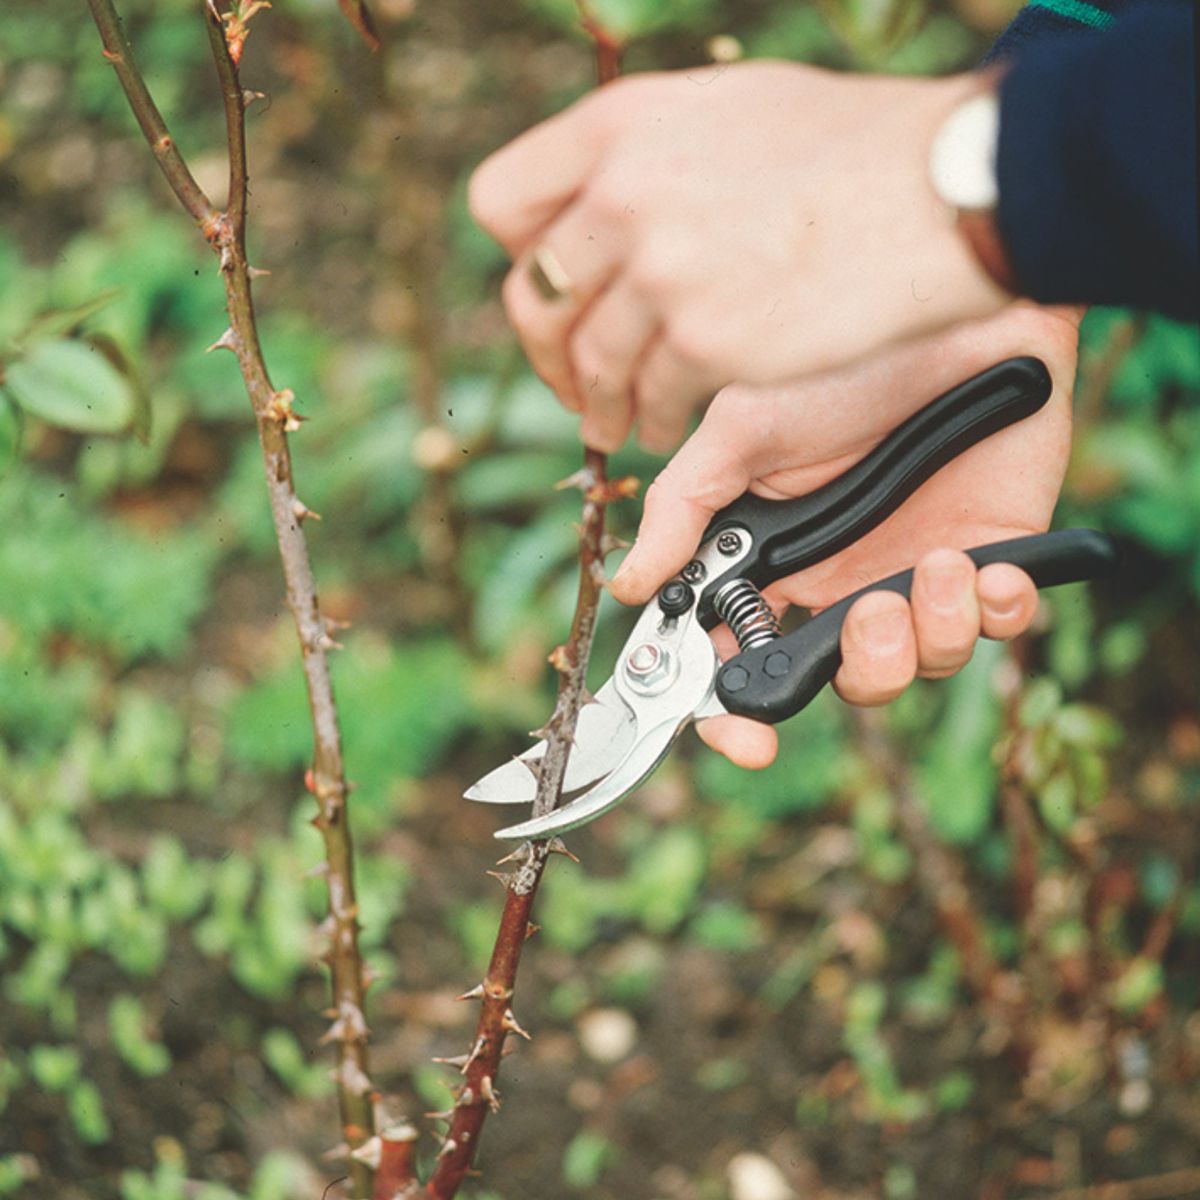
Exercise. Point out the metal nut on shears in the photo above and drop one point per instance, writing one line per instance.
(650, 668)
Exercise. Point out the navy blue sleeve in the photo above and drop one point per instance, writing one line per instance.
(1096, 162)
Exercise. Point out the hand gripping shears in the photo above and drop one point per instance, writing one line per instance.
(668, 673)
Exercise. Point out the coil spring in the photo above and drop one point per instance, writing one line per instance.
(741, 606)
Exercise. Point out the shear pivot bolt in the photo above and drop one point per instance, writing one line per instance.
(729, 543)
(694, 572)
(648, 666)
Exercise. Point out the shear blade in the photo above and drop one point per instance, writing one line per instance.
(644, 756)
(603, 735)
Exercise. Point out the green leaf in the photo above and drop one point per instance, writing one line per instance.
(54, 1068)
(55, 322)
(10, 431)
(1139, 984)
(87, 1113)
(73, 385)
(1056, 802)
(665, 877)
(585, 1158)
(127, 1027)
(956, 773)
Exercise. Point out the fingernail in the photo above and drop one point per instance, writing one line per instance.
(1009, 608)
(944, 587)
(884, 632)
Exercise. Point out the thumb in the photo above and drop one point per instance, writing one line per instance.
(705, 475)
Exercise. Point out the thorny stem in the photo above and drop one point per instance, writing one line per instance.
(119, 54)
(478, 1094)
(226, 233)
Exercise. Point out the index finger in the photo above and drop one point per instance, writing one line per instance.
(515, 192)
(708, 471)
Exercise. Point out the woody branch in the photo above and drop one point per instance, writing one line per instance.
(275, 417)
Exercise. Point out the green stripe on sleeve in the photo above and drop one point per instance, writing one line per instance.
(1076, 10)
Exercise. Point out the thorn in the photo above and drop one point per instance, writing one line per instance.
(352, 1077)
(524, 851)
(560, 659)
(326, 642)
(476, 1051)
(465, 1098)
(367, 977)
(249, 97)
(489, 1093)
(457, 1061)
(532, 765)
(542, 733)
(505, 878)
(310, 781)
(530, 929)
(350, 1025)
(476, 993)
(557, 846)
(341, 1150)
(111, 56)
(596, 571)
(448, 1147)
(257, 272)
(301, 511)
(510, 1022)
(610, 542)
(581, 479)
(227, 341)
(439, 1116)
(370, 1152)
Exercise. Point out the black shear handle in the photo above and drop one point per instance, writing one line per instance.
(774, 681)
(789, 535)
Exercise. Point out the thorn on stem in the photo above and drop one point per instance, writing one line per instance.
(561, 659)
(302, 513)
(557, 846)
(475, 993)
(504, 878)
(257, 272)
(448, 1147)
(512, 1025)
(489, 1093)
(581, 479)
(370, 1152)
(227, 341)
(530, 929)
(457, 1061)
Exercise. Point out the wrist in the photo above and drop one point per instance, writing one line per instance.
(962, 169)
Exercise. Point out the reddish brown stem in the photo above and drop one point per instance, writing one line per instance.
(481, 1067)
(478, 1095)
(275, 418)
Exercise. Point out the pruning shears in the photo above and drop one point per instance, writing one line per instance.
(668, 673)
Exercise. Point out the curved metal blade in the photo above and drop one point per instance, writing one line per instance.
(603, 735)
(659, 715)
(650, 749)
